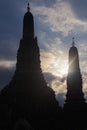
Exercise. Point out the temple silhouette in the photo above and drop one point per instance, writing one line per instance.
(27, 103)
(74, 78)
(75, 107)
(27, 96)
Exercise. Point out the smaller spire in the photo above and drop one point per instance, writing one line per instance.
(28, 8)
(73, 41)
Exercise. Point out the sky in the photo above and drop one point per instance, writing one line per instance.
(56, 22)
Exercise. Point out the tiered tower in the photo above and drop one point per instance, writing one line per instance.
(74, 78)
(75, 106)
(27, 95)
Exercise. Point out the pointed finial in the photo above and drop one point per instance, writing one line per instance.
(28, 8)
(73, 41)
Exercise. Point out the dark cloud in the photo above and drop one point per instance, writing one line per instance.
(49, 77)
(61, 98)
(8, 49)
(5, 76)
(63, 79)
(80, 8)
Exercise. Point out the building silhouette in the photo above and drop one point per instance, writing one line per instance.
(74, 78)
(27, 102)
(27, 96)
(75, 107)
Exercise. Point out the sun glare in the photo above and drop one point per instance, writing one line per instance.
(60, 69)
(63, 69)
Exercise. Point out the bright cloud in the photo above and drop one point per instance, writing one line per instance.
(7, 64)
(54, 62)
(60, 89)
(60, 18)
(47, 59)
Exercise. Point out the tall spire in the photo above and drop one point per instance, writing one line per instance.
(36, 98)
(74, 77)
(73, 41)
(28, 24)
(28, 8)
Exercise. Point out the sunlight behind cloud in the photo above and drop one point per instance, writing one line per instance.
(60, 18)
(63, 68)
(54, 64)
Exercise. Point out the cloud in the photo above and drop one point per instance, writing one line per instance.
(60, 18)
(58, 85)
(7, 64)
(7, 69)
(61, 98)
(5, 76)
(49, 77)
(8, 49)
(47, 59)
(54, 60)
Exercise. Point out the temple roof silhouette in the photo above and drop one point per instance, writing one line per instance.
(27, 94)
(74, 78)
